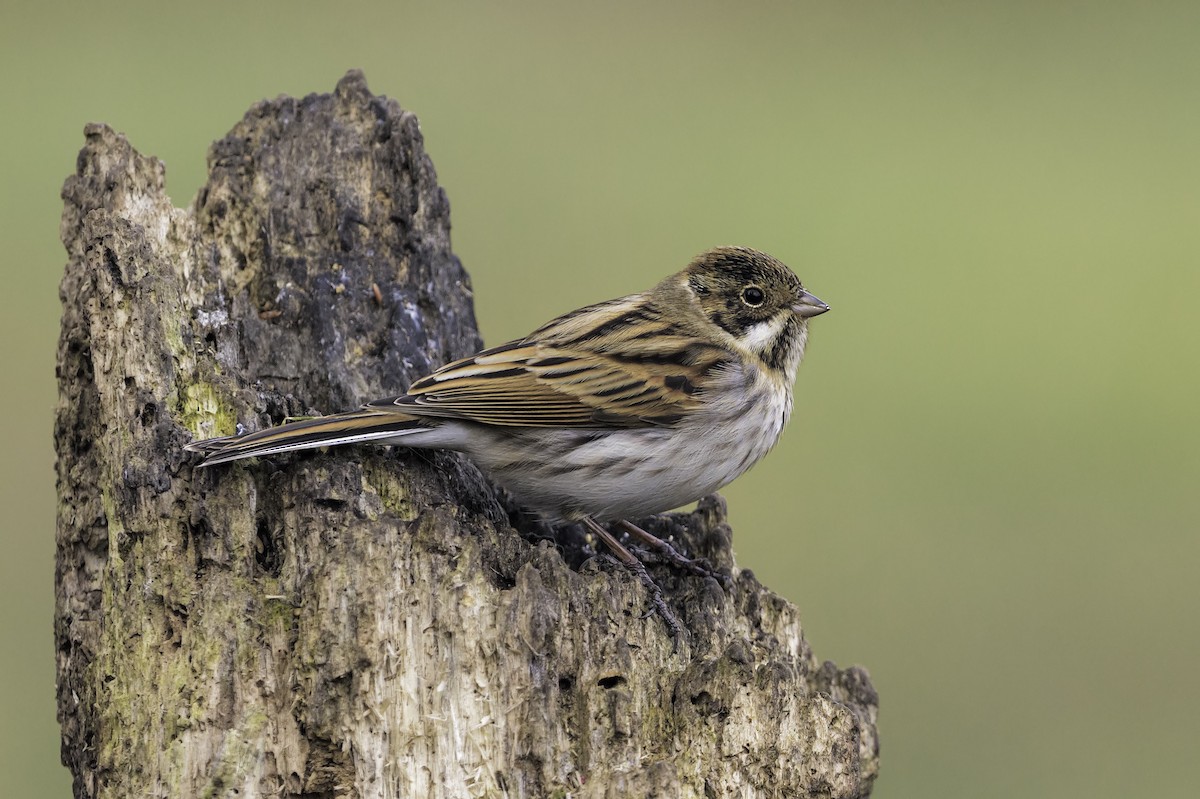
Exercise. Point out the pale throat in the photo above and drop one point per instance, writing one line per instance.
(760, 336)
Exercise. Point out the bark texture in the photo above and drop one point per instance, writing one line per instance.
(362, 622)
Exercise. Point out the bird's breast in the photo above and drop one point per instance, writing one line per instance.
(632, 473)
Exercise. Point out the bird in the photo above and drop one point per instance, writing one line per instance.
(612, 412)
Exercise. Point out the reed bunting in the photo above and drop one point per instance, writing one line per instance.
(612, 412)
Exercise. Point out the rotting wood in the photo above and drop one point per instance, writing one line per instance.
(364, 622)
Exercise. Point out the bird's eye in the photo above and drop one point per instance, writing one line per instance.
(753, 296)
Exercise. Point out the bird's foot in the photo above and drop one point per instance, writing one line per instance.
(697, 566)
(638, 569)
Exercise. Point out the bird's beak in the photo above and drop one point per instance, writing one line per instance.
(808, 305)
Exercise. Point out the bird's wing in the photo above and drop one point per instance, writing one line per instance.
(574, 375)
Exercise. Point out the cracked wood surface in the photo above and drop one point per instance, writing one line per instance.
(362, 622)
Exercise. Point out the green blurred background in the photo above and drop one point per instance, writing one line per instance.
(989, 495)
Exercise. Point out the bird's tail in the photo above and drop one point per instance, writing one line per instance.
(324, 431)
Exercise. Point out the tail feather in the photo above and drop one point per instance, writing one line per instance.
(323, 431)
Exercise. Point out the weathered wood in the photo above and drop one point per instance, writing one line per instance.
(361, 622)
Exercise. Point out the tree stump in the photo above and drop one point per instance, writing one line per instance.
(362, 622)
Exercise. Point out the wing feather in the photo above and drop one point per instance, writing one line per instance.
(617, 363)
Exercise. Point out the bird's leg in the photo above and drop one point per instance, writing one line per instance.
(694, 565)
(630, 562)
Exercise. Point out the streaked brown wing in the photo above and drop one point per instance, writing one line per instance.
(587, 372)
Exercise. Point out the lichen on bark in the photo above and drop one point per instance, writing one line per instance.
(362, 622)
